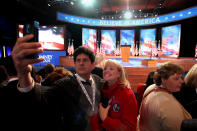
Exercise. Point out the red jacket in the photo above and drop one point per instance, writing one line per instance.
(122, 115)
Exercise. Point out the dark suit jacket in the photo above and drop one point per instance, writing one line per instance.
(17, 113)
(65, 105)
(98, 71)
(188, 98)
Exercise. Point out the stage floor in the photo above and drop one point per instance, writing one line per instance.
(137, 61)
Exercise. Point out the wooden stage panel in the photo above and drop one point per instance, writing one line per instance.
(138, 75)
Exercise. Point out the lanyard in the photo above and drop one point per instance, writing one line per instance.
(92, 103)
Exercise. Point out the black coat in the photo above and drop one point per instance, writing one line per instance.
(188, 98)
(65, 106)
(17, 113)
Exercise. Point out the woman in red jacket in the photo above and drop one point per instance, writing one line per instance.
(121, 112)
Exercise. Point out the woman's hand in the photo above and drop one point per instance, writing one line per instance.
(103, 112)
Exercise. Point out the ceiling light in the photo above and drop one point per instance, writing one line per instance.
(127, 15)
(87, 2)
(72, 3)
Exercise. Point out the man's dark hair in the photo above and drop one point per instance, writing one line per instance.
(86, 51)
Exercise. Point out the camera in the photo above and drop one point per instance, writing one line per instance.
(32, 28)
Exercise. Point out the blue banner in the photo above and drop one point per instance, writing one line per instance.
(50, 57)
(188, 13)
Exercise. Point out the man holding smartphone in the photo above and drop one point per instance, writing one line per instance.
(70, 103)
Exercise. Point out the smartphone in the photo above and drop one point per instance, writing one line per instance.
(104, 101)
(32, 28)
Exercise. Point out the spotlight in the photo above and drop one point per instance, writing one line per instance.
(72, 3)
(87, 3)
(127, 15)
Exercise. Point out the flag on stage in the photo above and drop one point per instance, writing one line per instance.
(117, 51)
(20, 30)
(70, 49)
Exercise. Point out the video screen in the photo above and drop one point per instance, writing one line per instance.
(108, 41)
(171, 40)
(147, 41)
(52, 37)
(127, 37)
(89, 38)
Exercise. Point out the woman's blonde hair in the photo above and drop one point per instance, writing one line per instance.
(123, 77)
(191, 77)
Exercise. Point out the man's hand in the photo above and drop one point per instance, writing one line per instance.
(20, 51)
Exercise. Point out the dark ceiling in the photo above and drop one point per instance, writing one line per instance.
(22, 10)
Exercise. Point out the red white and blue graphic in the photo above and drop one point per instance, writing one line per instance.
(171, 40)
(52, 37)
(108, 40)
(147, 41)
(89, 38)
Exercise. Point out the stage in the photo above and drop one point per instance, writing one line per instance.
(137, 68)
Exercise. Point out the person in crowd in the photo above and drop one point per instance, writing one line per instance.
(142, 87)
(37, 78)
(99, 61)
(188, 93)
(72, 100)
(58, 73)
(14, 109)
(159, 110)
(48, 68)
(4, 76)
(118, 110)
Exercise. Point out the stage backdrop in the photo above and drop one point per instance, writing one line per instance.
(89, 38)
(171, 40)
(127, 38)
(51, 37)
(108, 41)
(147, 41)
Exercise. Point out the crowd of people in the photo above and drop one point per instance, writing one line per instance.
(97, 97)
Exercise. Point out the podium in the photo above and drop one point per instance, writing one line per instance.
(149, 62)
(125, 52)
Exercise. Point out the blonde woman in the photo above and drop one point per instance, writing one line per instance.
(121, 112)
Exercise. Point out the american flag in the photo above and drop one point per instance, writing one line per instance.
(20, 30)
(70, 49)
(147, 47)
(102, 49)
(91, 42)
(133, 50)
(168, 50)
(51, 38)
(117, 51)
(107, 44)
